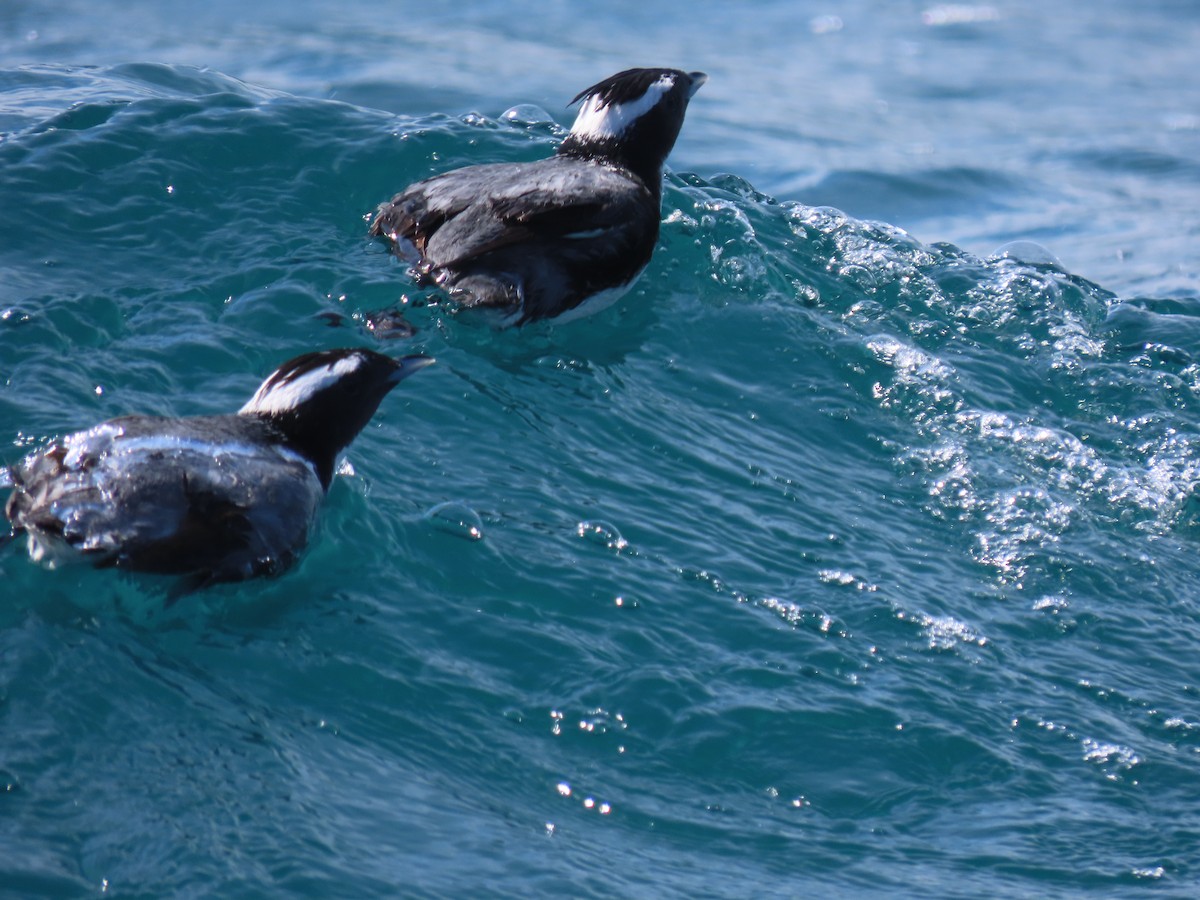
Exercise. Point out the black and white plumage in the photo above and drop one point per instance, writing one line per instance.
(215, 498)
(544, 238)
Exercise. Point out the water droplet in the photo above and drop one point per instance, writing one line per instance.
(457, 519)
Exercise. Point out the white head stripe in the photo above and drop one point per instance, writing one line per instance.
(273, 397)
(610, 121)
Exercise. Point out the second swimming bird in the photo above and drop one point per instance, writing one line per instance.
(560, 236)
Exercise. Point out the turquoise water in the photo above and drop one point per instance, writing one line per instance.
(853, 554)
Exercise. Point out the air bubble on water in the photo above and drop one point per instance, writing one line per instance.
(1027, 252)
(527, 114)
(808, 618)
(602, 533)
(457, 519)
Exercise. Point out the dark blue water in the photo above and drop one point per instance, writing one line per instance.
(853, 554)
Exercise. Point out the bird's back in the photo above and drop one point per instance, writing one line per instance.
(543, 235)
(216, 496)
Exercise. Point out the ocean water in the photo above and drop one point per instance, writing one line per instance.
(853, 554)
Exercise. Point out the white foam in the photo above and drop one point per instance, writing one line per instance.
(598, 122)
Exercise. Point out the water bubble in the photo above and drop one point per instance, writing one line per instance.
(390, 324)
(1027, 252)
(457, 519)
(602, 533)
(527, 114)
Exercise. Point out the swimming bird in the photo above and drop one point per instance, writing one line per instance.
(214, 498)
(549, 238)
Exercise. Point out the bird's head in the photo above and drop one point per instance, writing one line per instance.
(321, 401)
(632, 119)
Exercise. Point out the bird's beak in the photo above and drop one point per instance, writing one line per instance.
(408, 365)
(698, 79)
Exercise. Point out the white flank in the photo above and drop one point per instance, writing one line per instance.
(279, 398)
(595, 303)
(600, 123)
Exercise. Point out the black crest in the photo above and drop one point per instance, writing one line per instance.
(625, 86)
(615, 125)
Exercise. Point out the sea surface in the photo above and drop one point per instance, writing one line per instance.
(854, 554)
